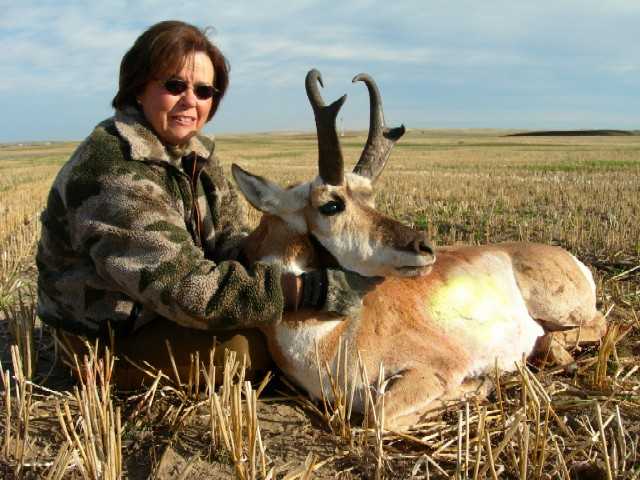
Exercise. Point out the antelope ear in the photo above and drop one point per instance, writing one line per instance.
(265, 195)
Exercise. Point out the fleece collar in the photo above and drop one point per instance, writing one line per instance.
(145, 144)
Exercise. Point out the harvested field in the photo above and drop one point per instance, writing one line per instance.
(580, 192)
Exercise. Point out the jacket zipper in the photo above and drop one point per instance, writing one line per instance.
(193, 167)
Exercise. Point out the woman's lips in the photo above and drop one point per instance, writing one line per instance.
(183, 120)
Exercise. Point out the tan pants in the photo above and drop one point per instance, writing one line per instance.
(149, 345)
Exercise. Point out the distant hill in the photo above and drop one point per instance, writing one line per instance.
(575, 133)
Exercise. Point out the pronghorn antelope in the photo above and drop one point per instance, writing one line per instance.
(438, 328)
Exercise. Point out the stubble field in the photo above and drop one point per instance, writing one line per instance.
(461, 186)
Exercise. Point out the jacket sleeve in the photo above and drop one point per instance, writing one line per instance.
(229, 215)
(133, 230)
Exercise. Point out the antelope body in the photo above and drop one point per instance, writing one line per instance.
(438, 328)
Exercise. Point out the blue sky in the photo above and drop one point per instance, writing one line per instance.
(439, 64)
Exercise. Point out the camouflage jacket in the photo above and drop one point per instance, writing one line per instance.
(123, 240)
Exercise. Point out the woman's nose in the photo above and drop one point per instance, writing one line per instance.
(189, 97)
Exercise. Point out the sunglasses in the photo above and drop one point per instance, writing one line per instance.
(175, 86)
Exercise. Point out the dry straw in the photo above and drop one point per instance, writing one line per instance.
(21, 321)
(95, 432)
(17, 412)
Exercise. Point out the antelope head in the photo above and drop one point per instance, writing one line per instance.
(337, 209)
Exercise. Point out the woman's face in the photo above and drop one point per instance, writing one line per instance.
(176, 118)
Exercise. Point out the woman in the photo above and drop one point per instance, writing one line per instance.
(141, 233)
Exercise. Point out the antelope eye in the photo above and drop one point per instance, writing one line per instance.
(331, 208)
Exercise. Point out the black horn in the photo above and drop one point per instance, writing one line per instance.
(381, 139)
(330, 161)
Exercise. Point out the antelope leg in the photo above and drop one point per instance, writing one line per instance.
(412, 394)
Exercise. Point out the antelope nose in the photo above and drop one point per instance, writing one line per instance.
(422, 246)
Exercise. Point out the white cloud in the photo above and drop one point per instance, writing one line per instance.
(341, 50)
(623, 69)
(90, 40)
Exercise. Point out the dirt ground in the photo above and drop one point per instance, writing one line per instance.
(154, 448)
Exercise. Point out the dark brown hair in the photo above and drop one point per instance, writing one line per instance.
(161, 51)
